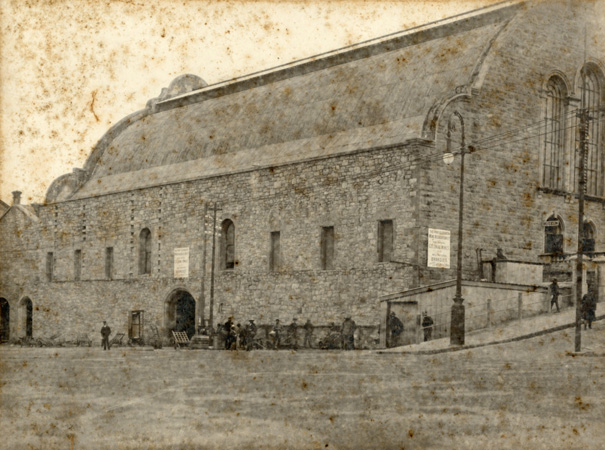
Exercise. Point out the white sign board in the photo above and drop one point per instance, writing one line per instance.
(439, 249)
(181, 262)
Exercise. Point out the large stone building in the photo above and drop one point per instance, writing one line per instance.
(314, 185)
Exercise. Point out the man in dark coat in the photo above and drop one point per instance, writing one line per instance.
(554, 292)
(427, 326)
(396, 328)
(227, 330)
(250, 334)
(105, 332)
(293, 334)
(589, 307)
(348, 334)
(308, 334)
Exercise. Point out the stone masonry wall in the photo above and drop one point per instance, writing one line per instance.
(352, 193)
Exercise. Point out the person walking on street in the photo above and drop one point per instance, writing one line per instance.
(589, 306)
(308, 334)
(396, 328)
(293, 334)
(348, 334)
(554, 292)
(105, 332)
(427, 326)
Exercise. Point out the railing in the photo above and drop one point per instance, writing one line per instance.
(493, 312)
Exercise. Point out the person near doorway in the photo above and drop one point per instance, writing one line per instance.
(554, 293)
(293, 334)
(395, 328)
(307, 343)
(427, 326)
(105, 332)
(348, 334)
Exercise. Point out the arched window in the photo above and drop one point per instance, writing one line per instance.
(591, 94)
(228, 253)
(453, 140)
(553, 236)
(588, 240)
(554, 135)
(144, 251)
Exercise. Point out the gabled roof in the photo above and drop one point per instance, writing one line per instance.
(375, 95)
(27, 210)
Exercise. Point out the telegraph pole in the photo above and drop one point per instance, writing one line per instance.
(211, 315)
(583, 148)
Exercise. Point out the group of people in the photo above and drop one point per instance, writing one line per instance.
(236, 336)
(396, 328)
(588, 307)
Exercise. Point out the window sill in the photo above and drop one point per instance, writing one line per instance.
(562, 193)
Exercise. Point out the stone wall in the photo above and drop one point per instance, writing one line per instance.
(352, 193)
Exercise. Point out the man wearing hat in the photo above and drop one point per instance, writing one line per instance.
(348, 334)
(554, 292)
(396, 328)
(105, 332)
(293, 334)
(250, 334)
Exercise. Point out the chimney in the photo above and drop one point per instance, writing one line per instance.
(16, 197)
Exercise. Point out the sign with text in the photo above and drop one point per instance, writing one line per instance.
(439, 249)
(181, 262)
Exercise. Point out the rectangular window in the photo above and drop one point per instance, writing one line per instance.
(50, 266)
(77, 264)
(274, 256)
(109, 263)
(385, 240)
(327, 248)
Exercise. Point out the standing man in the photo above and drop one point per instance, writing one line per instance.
(396, 328)
(105, 332)
(276, 334)
(589, 307)
(427, 326)
(554, 292)
(227, 328)
(250, 334)
(308, 334)
(293, 334)
(348, 334)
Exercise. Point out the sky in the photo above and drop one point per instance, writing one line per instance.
(71, 69)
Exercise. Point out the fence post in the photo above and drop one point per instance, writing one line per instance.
(490, 317)
(520, 306)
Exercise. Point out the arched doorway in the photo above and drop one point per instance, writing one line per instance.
(4, 320)
(26, 315)
(180, 312)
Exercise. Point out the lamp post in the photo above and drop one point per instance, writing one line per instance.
(457, 315)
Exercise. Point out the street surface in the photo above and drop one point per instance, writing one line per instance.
(531, 394)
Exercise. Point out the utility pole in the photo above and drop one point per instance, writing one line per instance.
(583, 148)
(202, 318)
(211, 316)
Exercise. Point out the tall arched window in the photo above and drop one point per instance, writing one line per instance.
(591, 94)
(554, 135)
(553, 235)
(228, 247)
(144, 251)
(588, 240)
(453, 140)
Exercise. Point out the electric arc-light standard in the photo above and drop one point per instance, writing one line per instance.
(457, 316)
